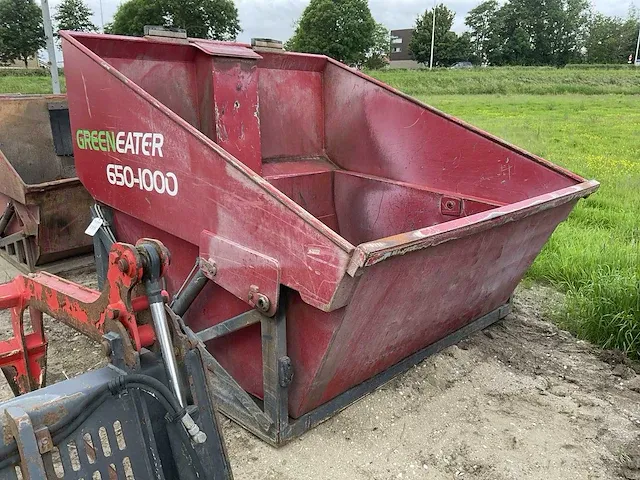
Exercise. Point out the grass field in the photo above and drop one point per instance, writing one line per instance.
(512, 81)
(24, 84)
(587, 120)
(480, 81)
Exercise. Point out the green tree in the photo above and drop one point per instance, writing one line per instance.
(74, 15)
(611, 39)
(21, 32)
(213, 19)
(449, 48)
(341, 29)
(378, 55)
(531, 32)
(571, 31)
(480, 21)
(133, 15)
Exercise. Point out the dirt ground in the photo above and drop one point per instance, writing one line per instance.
(521, 400)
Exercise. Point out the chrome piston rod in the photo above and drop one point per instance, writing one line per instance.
(166, 347)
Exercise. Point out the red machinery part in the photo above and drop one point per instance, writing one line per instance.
(93, 313)
(391, 223)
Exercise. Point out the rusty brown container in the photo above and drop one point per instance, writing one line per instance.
(44, 209)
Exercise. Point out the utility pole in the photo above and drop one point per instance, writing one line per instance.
(51, 48)
(101, 17)
(433, 34)
(635, 63)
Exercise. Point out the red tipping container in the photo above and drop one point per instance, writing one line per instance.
(369, 229)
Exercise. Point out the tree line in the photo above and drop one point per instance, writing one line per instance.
(516, 32)
(22, 32)
(548, 32)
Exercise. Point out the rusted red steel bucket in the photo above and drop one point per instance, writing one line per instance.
(376, 225)
(44, 209)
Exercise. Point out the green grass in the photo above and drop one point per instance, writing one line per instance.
(512, 80)
(27, 84)
(595, 255)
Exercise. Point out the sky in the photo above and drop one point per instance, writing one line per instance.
(275, 18)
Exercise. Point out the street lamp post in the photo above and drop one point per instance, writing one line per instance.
(433, 34)
(101, 17)
(51, 49)
(635, 63)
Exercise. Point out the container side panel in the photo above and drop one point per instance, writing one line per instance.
(27, 143)
(309, 333)
(239, 352)
(368, 209)
(64, 216)
(291, 116)
(173, 83)
(175, 179)
(308, 329)
(25, 218)
(11, 184)
(413, 300)
(372, 130)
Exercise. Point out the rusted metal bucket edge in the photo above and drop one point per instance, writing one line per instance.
(11, 184)
(53, 185)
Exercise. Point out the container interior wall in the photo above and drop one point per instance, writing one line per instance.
(26, 141)
(363, 208)
(370, 130)
(370, 208)
(291, 113)
(359, 208)
(313, 192)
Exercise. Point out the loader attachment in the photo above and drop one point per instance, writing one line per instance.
(148, 414)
